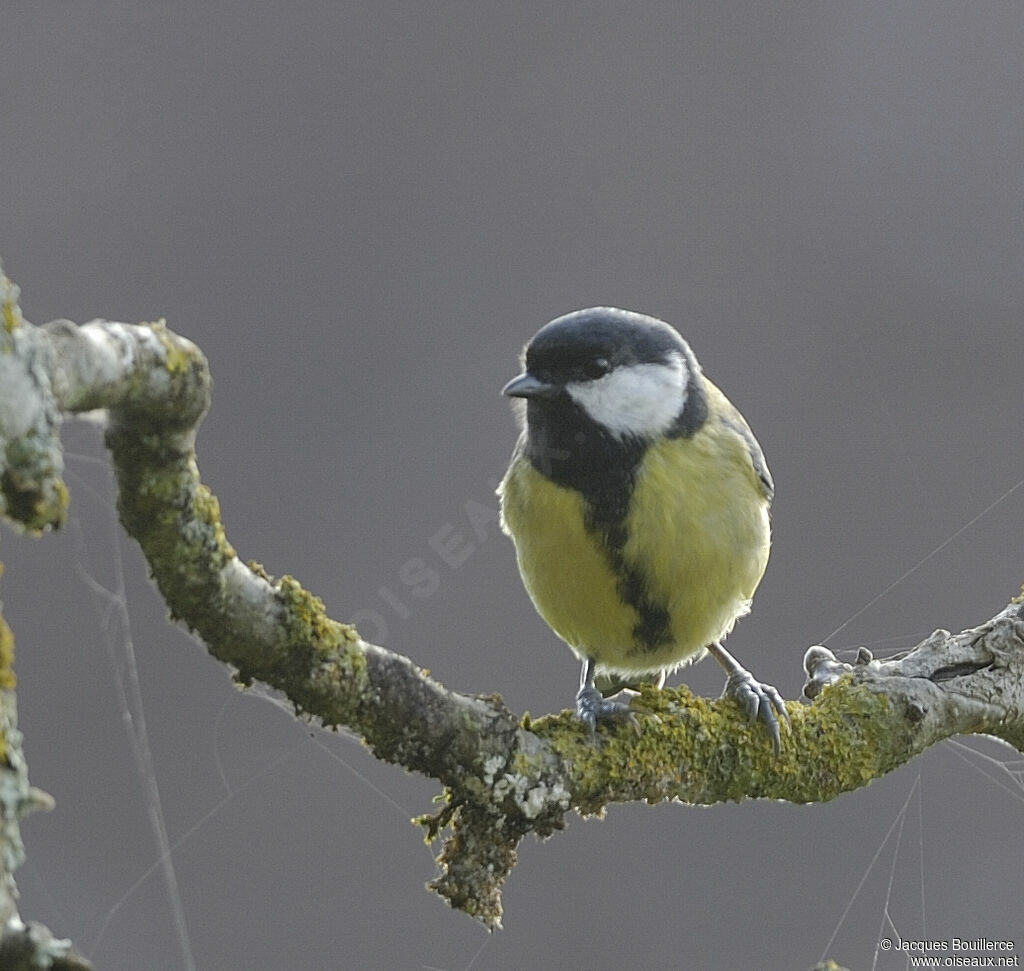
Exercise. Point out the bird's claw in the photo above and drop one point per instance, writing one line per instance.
(592, 707)
(760, 702)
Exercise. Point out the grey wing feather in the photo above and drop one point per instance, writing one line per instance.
(737, 423)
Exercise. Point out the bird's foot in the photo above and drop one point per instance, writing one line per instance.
(761, 702)
(592, 707)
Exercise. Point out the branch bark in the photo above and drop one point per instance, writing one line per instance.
(503, 776)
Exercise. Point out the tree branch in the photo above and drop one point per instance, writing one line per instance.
(503, 777)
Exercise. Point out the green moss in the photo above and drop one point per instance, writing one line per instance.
(7, 679)
(346, 666)
(10, 311)
(704, 751)
(313, 641)
(307, 618)
(260, 570)
(62, 501)
(207, 510)
(37, 504)
(177, 359)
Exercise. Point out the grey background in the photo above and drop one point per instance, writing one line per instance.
(360, 212)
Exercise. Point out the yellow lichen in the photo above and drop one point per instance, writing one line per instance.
(260, 570)
(176, 359)
(700, 750)
(308, 622)
(34, 505)
(207, 509)
(7, 679)
(10, 310)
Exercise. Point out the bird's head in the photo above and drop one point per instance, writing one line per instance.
(630, 374)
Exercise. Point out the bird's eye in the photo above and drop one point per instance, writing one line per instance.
(596, 367)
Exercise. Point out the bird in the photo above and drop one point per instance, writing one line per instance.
(637, 498)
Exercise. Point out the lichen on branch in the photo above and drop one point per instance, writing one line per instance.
(502, 776)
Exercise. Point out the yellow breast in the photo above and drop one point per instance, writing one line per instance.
(698, 542)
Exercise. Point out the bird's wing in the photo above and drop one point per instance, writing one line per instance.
(734, 420)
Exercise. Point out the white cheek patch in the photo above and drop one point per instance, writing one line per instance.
(641, 400)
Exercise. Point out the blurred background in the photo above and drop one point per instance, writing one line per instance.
(360, 212)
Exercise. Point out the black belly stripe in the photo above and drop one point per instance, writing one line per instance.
(606, 519)
(653, 629)
(565, 446)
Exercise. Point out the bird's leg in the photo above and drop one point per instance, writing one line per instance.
(760, 701)
(611, 684)
(591, 706)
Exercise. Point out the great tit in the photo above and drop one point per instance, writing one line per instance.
(637, 498)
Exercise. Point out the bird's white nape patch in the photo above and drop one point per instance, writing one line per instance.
(641, 400)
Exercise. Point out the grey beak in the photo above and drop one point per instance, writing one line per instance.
(527, 386)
